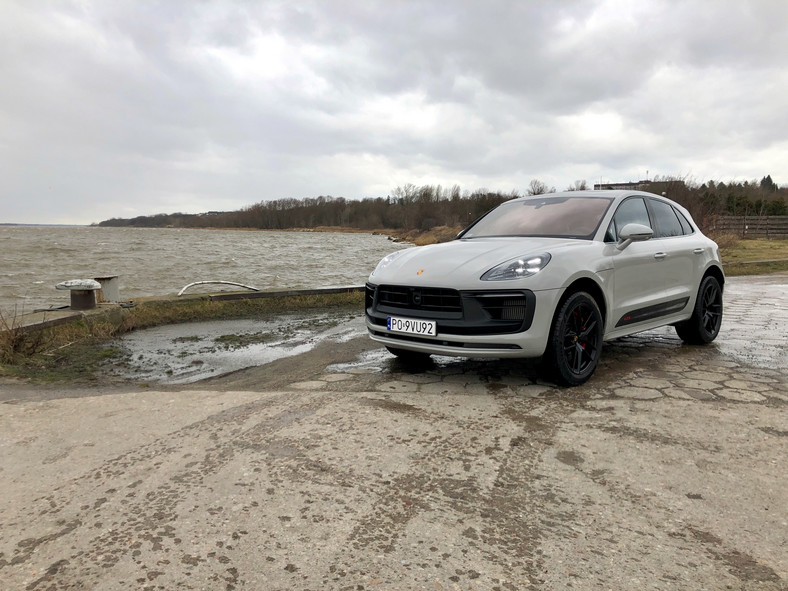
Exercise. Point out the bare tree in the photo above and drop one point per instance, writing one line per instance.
(537, 187)
(578, 186)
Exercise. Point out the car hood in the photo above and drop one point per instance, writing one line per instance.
(460, 262)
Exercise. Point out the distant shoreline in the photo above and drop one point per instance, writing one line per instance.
(416, 237)
(47, 225)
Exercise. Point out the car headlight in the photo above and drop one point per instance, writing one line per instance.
(387, 260)
(517, 268)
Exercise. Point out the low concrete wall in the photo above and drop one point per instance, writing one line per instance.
(114, 312)
(254, 295)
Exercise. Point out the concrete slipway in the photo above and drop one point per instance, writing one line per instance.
(337, 468)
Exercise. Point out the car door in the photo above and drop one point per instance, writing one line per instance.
(674, 251)
(639, 275)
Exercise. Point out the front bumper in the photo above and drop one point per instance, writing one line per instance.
(470, 323)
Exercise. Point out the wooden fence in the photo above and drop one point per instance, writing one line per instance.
(764, 226)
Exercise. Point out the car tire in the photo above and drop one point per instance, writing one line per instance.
(409, 357)
(575, 341)
(704, 324)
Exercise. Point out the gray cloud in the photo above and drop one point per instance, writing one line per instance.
(122, 109)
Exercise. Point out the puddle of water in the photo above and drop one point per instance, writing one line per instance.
(185, 353)
(372, 361)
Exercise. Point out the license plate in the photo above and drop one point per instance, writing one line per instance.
(412, 326)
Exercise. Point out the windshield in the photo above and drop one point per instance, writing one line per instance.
(555, 217)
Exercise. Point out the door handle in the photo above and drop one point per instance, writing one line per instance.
(698, 251)
(660, 255)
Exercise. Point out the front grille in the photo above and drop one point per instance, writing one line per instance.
(456, 312)
(430, 299)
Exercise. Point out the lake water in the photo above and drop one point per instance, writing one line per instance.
(161, 261)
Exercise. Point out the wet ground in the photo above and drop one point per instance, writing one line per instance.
(187, 353)
(339, 468)
(753, 333)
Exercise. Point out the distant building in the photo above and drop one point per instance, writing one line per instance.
(656, 187)
(633, 186)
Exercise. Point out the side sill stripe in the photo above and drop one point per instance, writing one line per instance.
(651, 312)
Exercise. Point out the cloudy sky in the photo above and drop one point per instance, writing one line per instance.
(124, 108)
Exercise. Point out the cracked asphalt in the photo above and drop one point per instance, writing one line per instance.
(339, 468)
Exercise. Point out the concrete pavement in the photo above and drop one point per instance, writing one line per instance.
(341, 469)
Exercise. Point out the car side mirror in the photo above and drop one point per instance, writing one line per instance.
(633, 233)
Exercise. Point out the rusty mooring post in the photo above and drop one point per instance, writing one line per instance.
(83, 292)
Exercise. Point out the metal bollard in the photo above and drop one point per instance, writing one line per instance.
(83, 292)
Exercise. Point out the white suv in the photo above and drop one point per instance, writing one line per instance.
(551, 276)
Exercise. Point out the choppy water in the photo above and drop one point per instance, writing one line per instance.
(160, 261)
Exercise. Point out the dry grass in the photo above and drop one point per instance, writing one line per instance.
(767, 268)
(159, 312)
(752, 257)
(753, 250)
(19, 343)
(725, 241)
(16, 341)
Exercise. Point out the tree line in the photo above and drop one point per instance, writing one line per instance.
(422, 208)
(707, 200)
(408, 207)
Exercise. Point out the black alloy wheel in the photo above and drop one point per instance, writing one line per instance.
(704, 324)
(576, 340)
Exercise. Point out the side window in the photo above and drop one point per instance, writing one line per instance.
(685, 225)
(631, 211)
(666, 221)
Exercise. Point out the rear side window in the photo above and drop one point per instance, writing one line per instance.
(631, 211)
(666, 221)
(685, 225)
